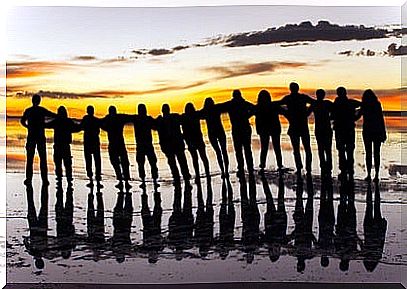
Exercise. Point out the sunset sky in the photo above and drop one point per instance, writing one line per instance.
(80, 56)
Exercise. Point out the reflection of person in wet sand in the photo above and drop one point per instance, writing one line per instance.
(374, 227)
(34, 119)
(152, 238)
(96, 222)
(122, 219)
(37, 243)
(227, 217)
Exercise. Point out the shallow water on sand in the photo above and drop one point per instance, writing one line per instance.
(110, 236)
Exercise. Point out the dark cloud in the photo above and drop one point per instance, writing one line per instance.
(84, 58)
(304, 32)
(393, 50)
(180, 47)
(58, 95)
(363, 52)
(161, 51)
(236, 69)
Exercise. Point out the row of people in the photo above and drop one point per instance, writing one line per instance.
(337, 234)
(174, 130)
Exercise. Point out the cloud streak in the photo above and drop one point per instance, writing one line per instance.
(23, 69)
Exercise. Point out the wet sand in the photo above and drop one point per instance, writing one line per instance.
(121, 243)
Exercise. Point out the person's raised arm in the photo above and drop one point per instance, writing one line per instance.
(75, 125)
(223, 107)
(310, 109)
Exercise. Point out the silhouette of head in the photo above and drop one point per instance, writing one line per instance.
(237, 94)
(142, 109)
(369, 96)
(209, 102)
(370, 265)
(62, 111)
(90, 110)
(112, 110)
(263, 97)
(36, 99)
(324, 261)
(189, 108)
(39, 263)
(300, 265)
(165, 109)
(341, 91)
(344, 265)
(294, 87)
(320, 94)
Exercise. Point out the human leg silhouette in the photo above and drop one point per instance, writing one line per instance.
(295, 142)
(328, 154)
(98, 165)
(216, 148)
(248, 154)
(238, 146)
(173, 166)
(350, 148)
(223, 146)
(195, 162)
(340, 146)
(368, 156)
(264, 142)
(204, 158)
(42, 153)
(308, 153)
(67, 158)
(58, 162)
(152, 159)
(377, 145)
(141, 159)
(30, 151)
(88, 162)
(182, 160)
(115, 161)
(321, 154)
(275, 138)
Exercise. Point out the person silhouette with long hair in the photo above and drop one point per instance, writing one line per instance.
(63, 129)
(172, 143)
(275, 220)
(91, 145)
(122, 219)
(216, 133)
(113, 124)
(268, 125)
(64, 221)
(326, 221)
(95, 223)
(296, 105)
(34, 119)
(204, 222)
(143, 125)
(374, 130)
(191, 128)
(227, 219)
(37, 243)
(152, 238)
(322, 109)
(374, 228)
(240, 111)
(303, 219)
(344, 117)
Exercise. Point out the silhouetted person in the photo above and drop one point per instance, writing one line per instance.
(268, 125)
(91, 145)
(303, 219)
(227, 217)
(34, 120)
(191, 128)
(152, 238)
(346, 238)
(63, 129)
(64, 221)
(297, 115)
(322, 110)
(216, 133)
(181, 222)
(172, 142)
(275, 220)
(374, 130)
(250, 218)
(113, 124)
(37, 243)
(326, 221)
(204, 221)
(143, 124)
(122, 219)
(374, 227)
(96, 218)
(240, 112)
(344, 116)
